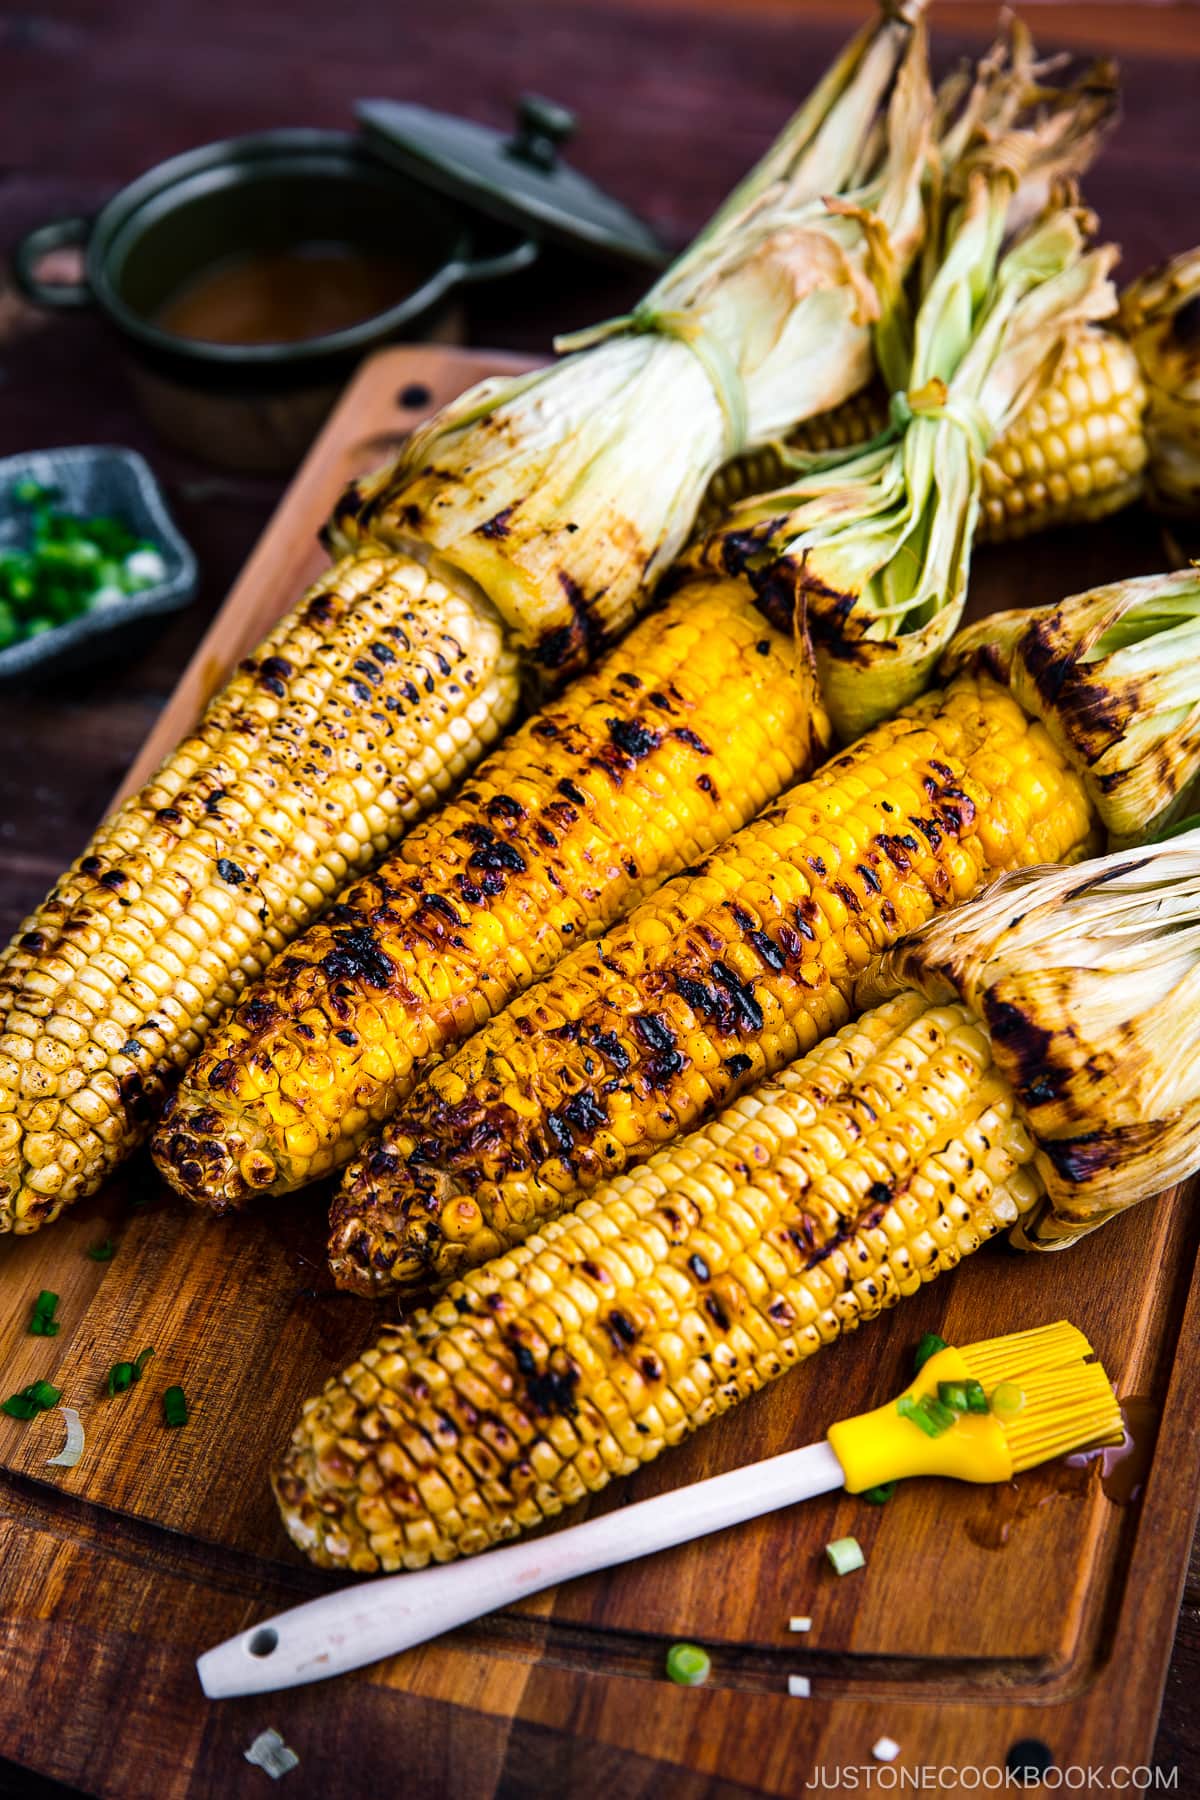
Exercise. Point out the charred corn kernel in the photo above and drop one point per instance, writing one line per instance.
(766, 938)
(878, 1161)
(365, 704)
(1076, 453)
(682, 734)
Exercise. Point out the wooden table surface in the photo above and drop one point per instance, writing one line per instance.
(675, 98)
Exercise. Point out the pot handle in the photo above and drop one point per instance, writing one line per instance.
(507, 262)
(59, 234)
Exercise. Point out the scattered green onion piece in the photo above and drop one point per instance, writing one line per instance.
(122, 1375)
(1007, 1400)
(38, 1397)
(688, 1665)
(175, 1410)
(929, 1346)
(43, 1323)
(103, 1252)
(846, 1555)
(941, 1415)
(879, 1496)
(19, 1406)
(927, 1413)
(977, 1401)
(953, 1394)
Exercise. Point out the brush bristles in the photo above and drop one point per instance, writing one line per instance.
(1023, 1353)
(1065, 1409)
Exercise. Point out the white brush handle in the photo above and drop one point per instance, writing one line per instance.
(374, 1619)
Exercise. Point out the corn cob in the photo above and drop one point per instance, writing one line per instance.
(1021, 1074)
(1160, 313)
(685, 731)
(746, 961)
(1075, 454)
(358, 711)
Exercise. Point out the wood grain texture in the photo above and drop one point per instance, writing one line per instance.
(675, 98)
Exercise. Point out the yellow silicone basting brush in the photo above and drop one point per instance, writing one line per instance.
(983, 1413)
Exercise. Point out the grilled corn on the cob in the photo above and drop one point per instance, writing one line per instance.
(681, 735)
(358, 711)
(741, 964)
(881, 1159)
(884, 1156)
(1075, 454)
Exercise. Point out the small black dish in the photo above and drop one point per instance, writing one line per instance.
(92, 479)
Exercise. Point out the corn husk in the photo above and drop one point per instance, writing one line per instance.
(1115, 676)
(1087, 980)
(873, 545)
(1160, 315)
(564, 493)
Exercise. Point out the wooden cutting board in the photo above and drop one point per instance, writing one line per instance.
(983, 1618)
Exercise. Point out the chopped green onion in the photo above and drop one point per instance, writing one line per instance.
(977, 1401)
(103, 1252)
(927, 1413)
(929, 1346)
(942, 1416)
(688, 1665)
(38, 1397)
(879, 1496)
(846, 1555)
(1007, 1400)
(19, 1406)
(175, 1410)
(68, 566)
(122, 1375)
(954, 1395)
(43, 1323)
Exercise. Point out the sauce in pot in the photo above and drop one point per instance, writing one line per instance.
(286, 296)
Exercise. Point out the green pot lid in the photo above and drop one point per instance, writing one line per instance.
(519, 180)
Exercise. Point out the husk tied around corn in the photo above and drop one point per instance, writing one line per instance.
(1027, 1064)
(563, 494)
(870, 549)
(1075, 454)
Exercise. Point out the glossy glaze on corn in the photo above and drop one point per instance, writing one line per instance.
(361, 709)
(725, 975)
(877, 1162)
(700, 718)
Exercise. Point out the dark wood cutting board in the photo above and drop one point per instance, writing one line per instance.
(982, 1618)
